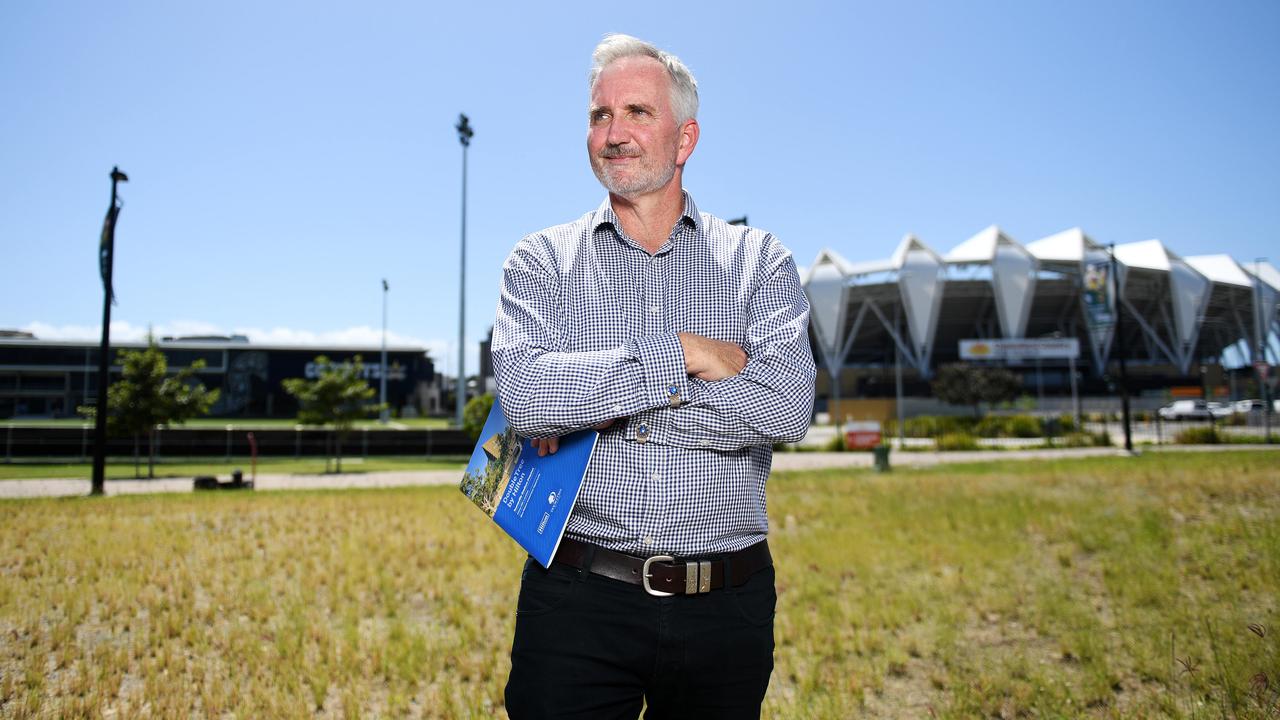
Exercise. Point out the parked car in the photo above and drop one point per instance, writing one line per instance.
(1220, 410)
(1186, 410)
(1249, 406)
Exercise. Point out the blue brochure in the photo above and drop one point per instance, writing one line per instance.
(529, 497)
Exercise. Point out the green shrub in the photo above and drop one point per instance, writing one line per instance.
(1067, 423)
(1199, 436)
(927, 426)
(1019, 426)
(990, 426)
(956, 441)
(835, 444)
(1074, 440)
(1077, 439)
(1023, 426)
(474, 415)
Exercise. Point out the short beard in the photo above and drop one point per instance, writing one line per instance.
(648, 179)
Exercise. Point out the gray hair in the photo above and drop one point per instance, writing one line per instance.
(684, 88)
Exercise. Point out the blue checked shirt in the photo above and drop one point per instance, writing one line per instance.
(586, 332)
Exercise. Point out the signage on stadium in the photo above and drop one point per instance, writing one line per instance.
(1022, 349)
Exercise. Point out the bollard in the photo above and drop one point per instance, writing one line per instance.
(297, 441)
(364, 443)
(882, 457)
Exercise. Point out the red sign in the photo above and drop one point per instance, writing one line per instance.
(861, 435)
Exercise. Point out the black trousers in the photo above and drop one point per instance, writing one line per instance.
(587, 646)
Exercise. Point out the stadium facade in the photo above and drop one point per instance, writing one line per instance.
(1186, 321)
(50, 378)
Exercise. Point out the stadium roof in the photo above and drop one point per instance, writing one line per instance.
(1176, 309)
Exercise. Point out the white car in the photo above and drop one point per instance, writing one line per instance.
(1248, 406)
(1221, 410)
(1186, 410)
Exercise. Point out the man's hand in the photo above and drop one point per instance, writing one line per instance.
(545, 445)
(549, 446)
(708, 359)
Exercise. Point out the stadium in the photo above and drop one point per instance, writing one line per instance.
(1193, 326)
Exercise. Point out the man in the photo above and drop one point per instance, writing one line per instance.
(684, 340)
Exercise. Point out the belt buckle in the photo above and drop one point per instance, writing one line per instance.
(644, 575)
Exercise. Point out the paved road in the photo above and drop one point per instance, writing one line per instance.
(781, 461)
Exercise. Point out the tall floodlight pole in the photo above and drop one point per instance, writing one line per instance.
(106, 261)
(897, 383)
(1120, 350)
(460, 390)
(385, 415)
(1260, 336)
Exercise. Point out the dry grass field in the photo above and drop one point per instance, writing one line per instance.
(1142, 587)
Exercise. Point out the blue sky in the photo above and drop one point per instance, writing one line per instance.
(286, 156)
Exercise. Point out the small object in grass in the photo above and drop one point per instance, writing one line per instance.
(210, 482)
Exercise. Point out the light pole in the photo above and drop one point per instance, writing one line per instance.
(106, 262)
(1260, 335)
(1118, 343)
(385, 415)
(460, 388)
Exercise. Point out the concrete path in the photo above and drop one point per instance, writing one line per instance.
(781, 461)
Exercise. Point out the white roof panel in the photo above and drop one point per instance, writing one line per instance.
(1066, 246)
(1266, 271)
(1149, 254)
(1220, 269)
(827, 256)
(979, 248)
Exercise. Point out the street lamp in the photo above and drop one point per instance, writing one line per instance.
(385, 415)
(106, 261)
(1260, 335)
(460, 388)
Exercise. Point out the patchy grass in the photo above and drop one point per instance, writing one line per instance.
(1116, 587)
(123, 468)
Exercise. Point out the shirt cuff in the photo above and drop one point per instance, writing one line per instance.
(664, 382)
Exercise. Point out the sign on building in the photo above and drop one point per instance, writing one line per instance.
(1021, 349)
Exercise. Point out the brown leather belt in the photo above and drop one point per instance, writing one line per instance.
(663, 575)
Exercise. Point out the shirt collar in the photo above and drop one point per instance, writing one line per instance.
(604, 215)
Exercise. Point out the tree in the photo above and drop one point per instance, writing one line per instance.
(964, 384)
(147, 398)
(475, 414)
(337, 398)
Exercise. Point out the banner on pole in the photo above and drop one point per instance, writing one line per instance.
(106, 247)
(1097, 295)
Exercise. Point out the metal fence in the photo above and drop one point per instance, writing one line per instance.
(76, 443)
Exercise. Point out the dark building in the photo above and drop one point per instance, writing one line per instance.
(43, 378)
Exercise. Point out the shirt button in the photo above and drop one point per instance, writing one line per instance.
(655, 309)
(657, 477)
(648, 540)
